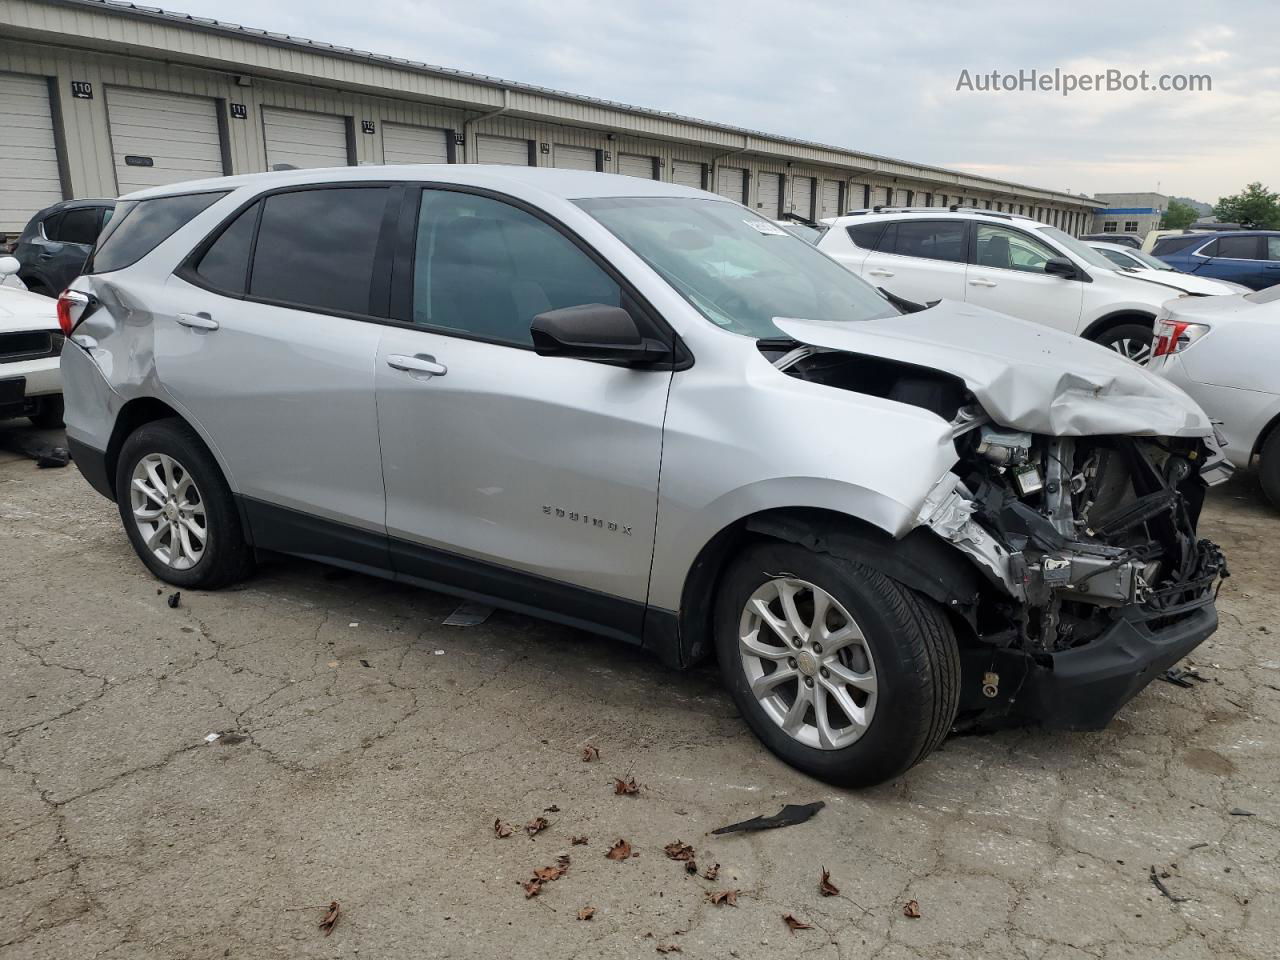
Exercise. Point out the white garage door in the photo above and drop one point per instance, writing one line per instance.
(159, 138)
(28, 159)
(300, 141)
(731, 182)
(686, 173)
(573, 158)
(508, 150)
(405, 144)
(769, 194)
(802, 196)
(858, 198)
(634, 165)
(901, 198)
(830, 199)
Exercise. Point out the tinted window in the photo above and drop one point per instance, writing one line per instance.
(865, 235)
(930, 239)
(316, 248)
(1237, 248)
(225, 265)
(1167, 245)
(486, 268)
(1273, 248)
(1118, 258)
(1009, 249)
(78, 226)
(140, 226)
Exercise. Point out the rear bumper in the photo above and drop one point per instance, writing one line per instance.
(39, 378)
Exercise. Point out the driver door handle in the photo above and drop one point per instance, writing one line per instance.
(422, 363)
(981, 282)
(880, 273)
(198, 321)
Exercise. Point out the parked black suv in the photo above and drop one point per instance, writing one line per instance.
(56, 242)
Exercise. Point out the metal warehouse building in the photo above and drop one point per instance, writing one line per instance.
(98, 98)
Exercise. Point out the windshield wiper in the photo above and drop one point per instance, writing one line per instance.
(906, 306)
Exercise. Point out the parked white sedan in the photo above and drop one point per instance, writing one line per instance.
(30, 347)
(1144, 265)
(1222, 351)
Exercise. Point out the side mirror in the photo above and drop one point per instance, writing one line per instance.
(1061, 267)
(594, 331)
(9, 265)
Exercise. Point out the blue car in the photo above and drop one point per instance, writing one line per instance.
(1248, 257)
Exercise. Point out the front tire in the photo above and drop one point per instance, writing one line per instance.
(842, 672)
(177, 509)
(1132, 340)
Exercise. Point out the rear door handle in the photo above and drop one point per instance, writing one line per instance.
(880, 273)
(423, 363)
(198, 321)
(981, 282)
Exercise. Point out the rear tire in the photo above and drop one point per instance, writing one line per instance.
(902, 676)
(1132, 340)
(49, 414)
(1269, 468)
(177, 509)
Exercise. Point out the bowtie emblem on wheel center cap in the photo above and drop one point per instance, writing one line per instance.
(171, 511)
(807, 663)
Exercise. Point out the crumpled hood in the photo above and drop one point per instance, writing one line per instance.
(1026, 376)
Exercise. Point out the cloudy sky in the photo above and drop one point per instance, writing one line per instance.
(874, 76)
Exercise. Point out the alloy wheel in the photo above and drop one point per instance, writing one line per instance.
(169, 511)
(1136, 349)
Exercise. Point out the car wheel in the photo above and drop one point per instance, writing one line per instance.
(842, 672)
(177, 508)
(1132, 340)
(1269, 468)
(48, 415)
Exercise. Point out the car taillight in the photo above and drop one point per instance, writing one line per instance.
(71, 307)
(1174, 336)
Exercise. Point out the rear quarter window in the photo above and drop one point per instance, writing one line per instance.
(865, 235)
(139, 226)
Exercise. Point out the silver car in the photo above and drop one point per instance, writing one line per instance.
(644, 411)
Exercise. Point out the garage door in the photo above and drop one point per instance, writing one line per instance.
(159, 138)
(300, 141)
(506, 150)
(769, 194)
(28, 159)
(830, 199)
(634, 165)
(405, 144)
(573, 158)
(802, 196)
(859, 197)
(686, 173)
(731, 182)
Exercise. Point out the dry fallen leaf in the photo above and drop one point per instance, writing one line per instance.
(532, 888)
(536, 825)
(678, 851)
(721, 897)
(330, 918)
(826, 887)
(619, 851)
(793, 924)
(563, 861)
(625, 788)
(501, 828)
(668, 948)
(577, 841)
(911, 909)
(547, 874)
(711, 872)
(586, 913)
(590, 753)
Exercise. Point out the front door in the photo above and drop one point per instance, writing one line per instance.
(1006, 273)
(532, 480)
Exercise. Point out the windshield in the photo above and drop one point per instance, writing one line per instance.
(738, 270)
(806, 233)
(1149, 260)
(1081, 250)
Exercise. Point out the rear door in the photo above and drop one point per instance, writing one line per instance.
(63, 243)
(920, 260)
(268, 345)
(1235, 258)
(1006, 273)
(526, 478)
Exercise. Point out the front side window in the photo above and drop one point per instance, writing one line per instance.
(928, 239)
(1008, 249)
(316, 248)
(740, 272)
(1237, 248)
(139, 226)
(485, 269)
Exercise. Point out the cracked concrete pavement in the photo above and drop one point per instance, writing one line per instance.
(379, 746)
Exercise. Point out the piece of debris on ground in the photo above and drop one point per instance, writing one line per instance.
(1182, 676)
(1158, 878)
(330, 918)
(911, 909)
(174, 599)
(794, 924)
(826, 887)
(621, 850)
(625, 788)
(468, 615)
(788, 816)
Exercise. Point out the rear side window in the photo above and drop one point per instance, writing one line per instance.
(225, 265)
(1237, 248)
(139, 226)
(1168, 245)
(316, 248)
(78, 226)
(865, 235)
(929, 239)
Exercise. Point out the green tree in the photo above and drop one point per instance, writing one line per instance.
(1256, 208)
(1178, 216)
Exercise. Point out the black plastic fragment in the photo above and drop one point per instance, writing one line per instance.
(174, 598)
(788, 816)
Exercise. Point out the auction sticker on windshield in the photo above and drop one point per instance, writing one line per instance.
(765, 227)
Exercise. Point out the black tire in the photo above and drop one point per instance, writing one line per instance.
(227, 558)
(916, 657)
(1269, 467)
(49, 414)
(1137, 336)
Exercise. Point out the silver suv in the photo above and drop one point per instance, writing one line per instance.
(641, 410)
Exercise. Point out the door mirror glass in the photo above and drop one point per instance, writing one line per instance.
(1061, 267)
(593, 331)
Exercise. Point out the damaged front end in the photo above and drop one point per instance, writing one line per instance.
(1101, 582)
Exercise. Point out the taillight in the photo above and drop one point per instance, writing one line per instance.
(1173, 336)
(71, 307)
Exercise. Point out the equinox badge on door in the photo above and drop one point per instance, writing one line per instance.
(575, 517)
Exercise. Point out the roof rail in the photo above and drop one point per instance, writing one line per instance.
(953, 208)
